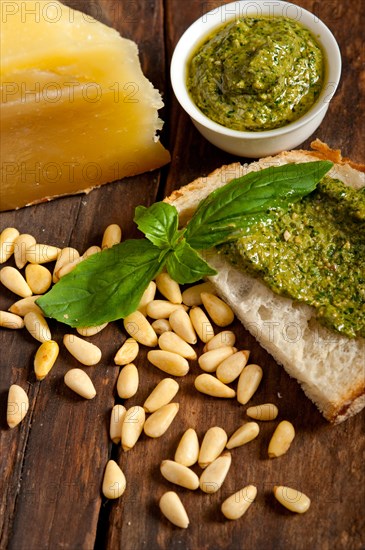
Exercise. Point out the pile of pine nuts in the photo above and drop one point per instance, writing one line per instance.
(171, 325)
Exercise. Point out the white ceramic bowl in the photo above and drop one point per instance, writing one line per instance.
(269, 142)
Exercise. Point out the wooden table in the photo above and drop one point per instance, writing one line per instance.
(52, 464)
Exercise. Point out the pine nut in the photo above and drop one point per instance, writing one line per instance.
(221, 340)
(10, 320)
(162, 394)
(45, 358)
(161, 309)
(187, 451)
(7, 243)
(179, 474)
(201, 324)
(231, 368)
(147, 297)
(161, 325)
(116, 421)
(22, 243)
(85, 352)
(13, 280)
(237, 504)
(127, 353)
(208, 384)
(37, 326)
(38, 277)
(214, 475)
(169, 288)
(42, 253)
(159, 421)
(91, 251)
(18, 405)
(192, 295)
(67, 268)
(79, 382)
(248, 383)
(281, 439)
(173, 509)
(132, 427)
(181, 324)
(267, 411)
(220, 312)
(140, 329)
(66, 256)
(210, 360)
(244, 434)
(212, 445)
(128, 380)
(292, 499)
(25, 305)
(112, 235)
(114, 482)
(91, 331)
(169, 362)
(169, 341)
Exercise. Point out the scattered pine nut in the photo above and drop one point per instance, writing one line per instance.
(85, 352)
(169, 341)
(212, 445)
(112, 235)
(45, 358)
(210, 360)
(91, 251)
(161, 309)
(281, 439)
(237, 504)
(231, 368)
(293, 500)
(208, 384)
(132, 427)
(201, 324)
(244, 434)
(67, 268)
(7, 243)
(25, 305)
(214, 475)
(179, 474)
(173, 509)
(169, 362)
(220, 312)
(181, 324)
(267, 411)
(79, 382)
(18, 405)
(147, 297)
(140, 329)
(10, 320)
(42, 253)
(13, 280)
(187, 451)
(248, 382)
(65, 257)
(114, 482)
(161, 325)
(159, 421)
(116, 421)
(127, 353)
(38, 277)
(128, 380)
(221, 340)
(37, 326)
(91, 331)
(22, 243)
(192, 295)
(169, 288)
(162, 394)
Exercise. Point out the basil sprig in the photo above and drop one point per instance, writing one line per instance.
(109, 285)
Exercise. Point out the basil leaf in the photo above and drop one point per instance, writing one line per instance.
(105, 287)
(186, 266)
(249, 199)
(159, 223)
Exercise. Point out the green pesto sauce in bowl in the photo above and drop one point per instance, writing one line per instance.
(257, 73)
(313, 253)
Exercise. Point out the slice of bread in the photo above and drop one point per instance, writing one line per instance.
(330, 367)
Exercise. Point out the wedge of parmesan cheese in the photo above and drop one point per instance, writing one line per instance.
(76, 109)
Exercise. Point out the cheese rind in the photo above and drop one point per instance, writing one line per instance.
(76, 109)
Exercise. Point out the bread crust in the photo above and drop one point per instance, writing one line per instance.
(329, 366)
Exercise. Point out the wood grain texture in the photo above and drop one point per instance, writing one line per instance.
(52, 464)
